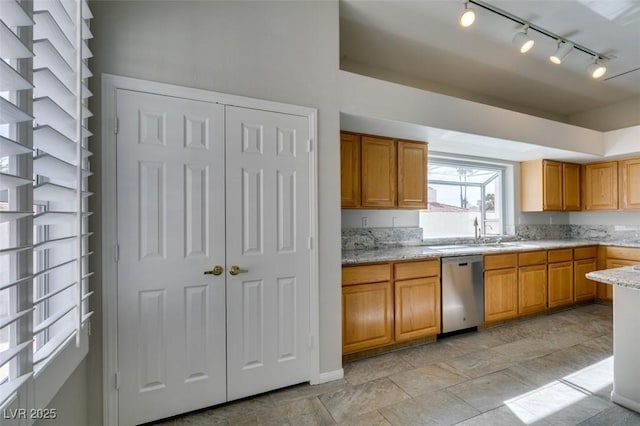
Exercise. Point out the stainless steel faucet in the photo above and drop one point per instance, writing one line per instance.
(476, 227)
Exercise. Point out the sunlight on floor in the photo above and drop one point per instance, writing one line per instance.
(565, 397)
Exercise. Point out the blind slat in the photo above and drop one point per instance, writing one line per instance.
(50, 348)
(53, 293)
(11, 47)
(8, 215)
(53, 318)
(10, 319)
(11, 114)
(16, 283)
(8, 181)
(14, 15)
(49, 269)
(46, 27)
(11, 147)
(48, 139)
(52, 192)
(10, 79)
(48, 165)
(9, 354)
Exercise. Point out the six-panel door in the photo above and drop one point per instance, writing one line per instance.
(171, 229)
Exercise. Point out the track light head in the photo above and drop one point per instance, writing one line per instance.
(522, 41)
(597, 69)
(468, 16)
(564, 48)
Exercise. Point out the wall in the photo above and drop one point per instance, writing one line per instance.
(71, 402)
(368, 97)
(279, 51)
(617, 116)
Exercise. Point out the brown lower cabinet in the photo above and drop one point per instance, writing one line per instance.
(617, 257)
(500, 287)
(389, 303)
(560, 277)
(367, 316)
(584, 261)
(500, 294)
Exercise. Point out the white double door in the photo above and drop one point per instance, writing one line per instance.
(202, 184)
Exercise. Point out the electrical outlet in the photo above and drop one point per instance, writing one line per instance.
(365, 222)
(394, 221)
(550, 220)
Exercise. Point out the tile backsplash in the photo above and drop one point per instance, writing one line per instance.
(369, 238)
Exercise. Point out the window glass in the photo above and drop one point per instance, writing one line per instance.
(461, 194)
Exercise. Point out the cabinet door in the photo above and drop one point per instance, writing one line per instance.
(630, 184)
(552, 189)
(367, 316)
(585, 289)
(532, 289)
(412, 175)
(571, 187)
(349, 170)
(500, 294)
(601, 186)
(378, 172)
(560, 276)
(417, 308)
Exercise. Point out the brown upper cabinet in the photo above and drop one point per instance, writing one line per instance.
(350, 170)
(412, 174)
(547, 185)
(379, 172)
(600, 186)
(629, 183)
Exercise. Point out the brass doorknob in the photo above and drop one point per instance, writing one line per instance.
(217, 270)
(235, 270)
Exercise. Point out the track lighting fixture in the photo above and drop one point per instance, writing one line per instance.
(523, 42)
(564, 48)
(468, 16)
(597, 69)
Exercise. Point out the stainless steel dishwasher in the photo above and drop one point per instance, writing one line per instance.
(462, 293)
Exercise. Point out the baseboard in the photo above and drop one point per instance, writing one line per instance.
(329, 376)
(625, 402)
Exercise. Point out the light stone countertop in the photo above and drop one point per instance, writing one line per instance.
(627, 276)
(433, 251)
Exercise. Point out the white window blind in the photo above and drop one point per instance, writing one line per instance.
(44, 288)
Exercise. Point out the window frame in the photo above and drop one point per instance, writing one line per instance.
(500, 173)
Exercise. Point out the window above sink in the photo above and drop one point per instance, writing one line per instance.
(461, 192)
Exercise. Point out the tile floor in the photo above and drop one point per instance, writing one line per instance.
(550, 370)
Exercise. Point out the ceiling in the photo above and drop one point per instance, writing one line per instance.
(419, 43)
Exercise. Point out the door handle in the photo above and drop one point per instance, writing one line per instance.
(235, 270)
(216, 270)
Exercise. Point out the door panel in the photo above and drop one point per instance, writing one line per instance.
(171, 228)
(268, 239)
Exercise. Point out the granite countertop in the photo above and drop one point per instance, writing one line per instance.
(627, 276)
(432, 251)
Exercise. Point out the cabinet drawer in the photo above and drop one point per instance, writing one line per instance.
(559, 255)
(366, 274)
(532, 258)
(584, 252)
(628, 253)
(423, 268)
(500, 261)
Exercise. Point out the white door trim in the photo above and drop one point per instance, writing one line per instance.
(109, 284)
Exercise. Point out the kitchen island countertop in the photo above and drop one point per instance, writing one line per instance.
(627, 276)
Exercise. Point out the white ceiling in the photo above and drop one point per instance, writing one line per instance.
(420, 43)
